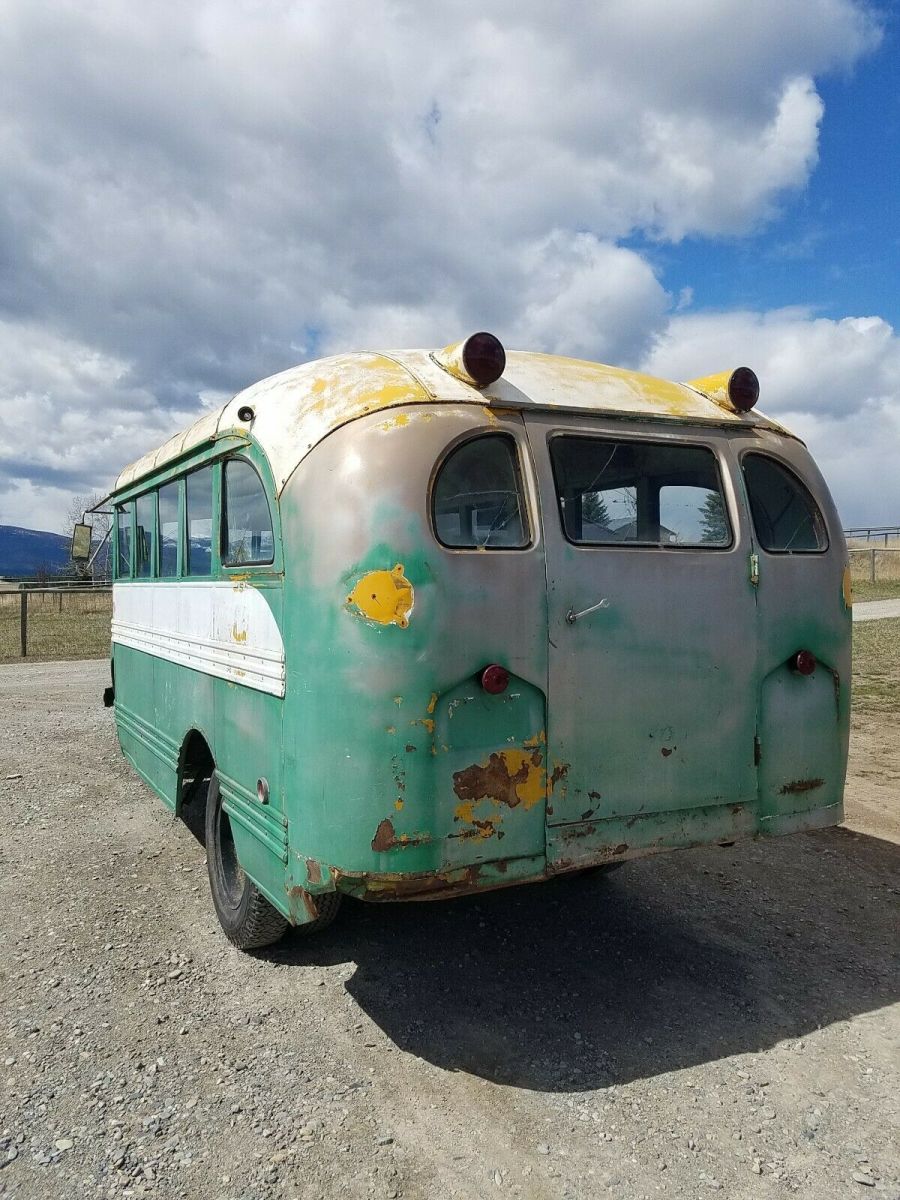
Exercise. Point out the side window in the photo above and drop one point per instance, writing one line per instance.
(198, 494)
(143, 541)
(123, 541)
(785, 516)
(247, 534)
(638, 493)
(168, 530)
(477, 498)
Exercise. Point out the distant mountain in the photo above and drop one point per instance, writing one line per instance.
(25, 551)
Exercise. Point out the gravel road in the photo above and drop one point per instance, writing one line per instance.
(722, 1020)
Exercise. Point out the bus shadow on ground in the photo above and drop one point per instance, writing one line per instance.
(667, 963)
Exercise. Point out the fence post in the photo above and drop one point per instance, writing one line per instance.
(23, 621)
(872, 568)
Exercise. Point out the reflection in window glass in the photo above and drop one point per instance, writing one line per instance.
(198, 497)
(639, 493)
(247, 522)
(143, 541)
(785, 515)
(123, 539)
(478, 499)
(168, 530)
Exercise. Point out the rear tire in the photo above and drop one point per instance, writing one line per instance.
(327, 905)
(246, 916)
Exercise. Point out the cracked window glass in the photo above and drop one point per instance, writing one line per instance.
(477, 501)
(624, 493)
(785, 516)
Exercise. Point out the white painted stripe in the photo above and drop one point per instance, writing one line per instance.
(218, 627)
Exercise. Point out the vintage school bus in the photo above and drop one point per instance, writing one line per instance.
(409, 625)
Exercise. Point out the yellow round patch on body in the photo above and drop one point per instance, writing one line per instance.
(384, 596)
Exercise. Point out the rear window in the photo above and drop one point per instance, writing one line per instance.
(477, 498)
(785, 517)
(622, 493)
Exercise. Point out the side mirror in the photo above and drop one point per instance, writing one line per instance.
(81, 543)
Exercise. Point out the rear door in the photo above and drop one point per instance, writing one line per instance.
(652, 639)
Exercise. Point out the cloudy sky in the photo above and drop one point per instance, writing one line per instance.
(196, 196)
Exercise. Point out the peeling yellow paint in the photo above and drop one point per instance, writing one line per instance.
(465, 811)
(532, 789)
(532, 743)
(391, 729)
(397, 421)
(432, 703)
(847, 588)
(426, 721)
(384, 596)
(238, 635)
(398, 804)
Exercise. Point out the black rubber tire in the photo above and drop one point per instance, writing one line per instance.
(246, 916)
(327, 906)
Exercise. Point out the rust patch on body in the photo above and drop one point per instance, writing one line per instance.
(410, 748)
(801, 785)
(594, 796)
(510, 777)
(384, 836)
(313, 871)
(665, 751)
(560, 771)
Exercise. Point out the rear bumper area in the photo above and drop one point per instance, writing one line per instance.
(592, 843)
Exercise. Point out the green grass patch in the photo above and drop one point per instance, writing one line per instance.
(876, 666)
(881, 589)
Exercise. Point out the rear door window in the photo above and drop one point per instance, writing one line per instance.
(785, 517)
(477, 499)
(623, 493)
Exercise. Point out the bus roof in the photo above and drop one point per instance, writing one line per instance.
(296, 409)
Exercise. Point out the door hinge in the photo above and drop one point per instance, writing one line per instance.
(754, 569)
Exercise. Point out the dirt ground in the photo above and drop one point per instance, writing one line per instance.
(723, 1020)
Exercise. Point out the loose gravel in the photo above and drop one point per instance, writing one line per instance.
(715, 1021)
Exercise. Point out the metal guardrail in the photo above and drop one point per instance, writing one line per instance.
(882, 533)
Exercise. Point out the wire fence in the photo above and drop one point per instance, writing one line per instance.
(55, 622)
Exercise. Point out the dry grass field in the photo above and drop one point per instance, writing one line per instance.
(60, 625)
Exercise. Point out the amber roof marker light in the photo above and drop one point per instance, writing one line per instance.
(736, 390)
(480, 360)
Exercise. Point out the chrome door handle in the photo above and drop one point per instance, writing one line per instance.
(572, 616)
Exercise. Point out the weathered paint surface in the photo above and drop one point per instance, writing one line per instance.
(295, 410)
(668, 718)
(385, 597)
(217, 627)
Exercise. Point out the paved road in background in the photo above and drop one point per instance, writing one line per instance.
(874, 610)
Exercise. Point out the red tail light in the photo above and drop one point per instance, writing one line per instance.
(803, 662)
(495, 679)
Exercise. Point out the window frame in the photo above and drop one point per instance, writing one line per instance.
(176, 482)
(734, 526)
(152, 562)
(185, 573)
(125, 506)
(223, 516)
(803, 488)
(528, 524)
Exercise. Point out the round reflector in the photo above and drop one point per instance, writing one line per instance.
(803, 662)
(495, 679)
(743, 389)
(483, 358)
